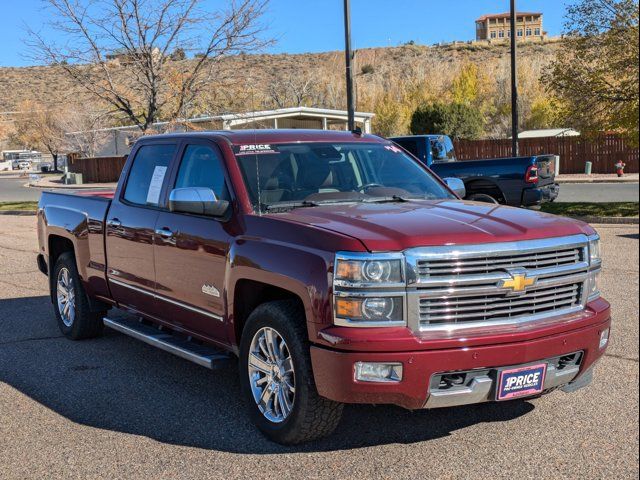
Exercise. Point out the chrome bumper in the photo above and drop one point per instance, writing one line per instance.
(482, 388)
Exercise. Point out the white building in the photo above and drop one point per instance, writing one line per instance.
(118, 140)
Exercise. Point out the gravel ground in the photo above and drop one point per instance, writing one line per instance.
(116, 408)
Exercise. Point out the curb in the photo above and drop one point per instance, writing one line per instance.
(610, 220)
(19, 213)
(572, 181)
(68, 187)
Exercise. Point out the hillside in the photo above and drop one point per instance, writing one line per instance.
(260, 81)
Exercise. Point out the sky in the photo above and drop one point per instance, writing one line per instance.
(301, 26)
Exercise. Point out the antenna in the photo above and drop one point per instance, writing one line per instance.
(255, 141)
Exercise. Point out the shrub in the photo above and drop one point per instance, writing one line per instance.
(458, 120)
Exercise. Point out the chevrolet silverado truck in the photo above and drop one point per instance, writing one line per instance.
(336, 267)
(517, 181)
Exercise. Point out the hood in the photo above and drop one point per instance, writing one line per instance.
(398, 226)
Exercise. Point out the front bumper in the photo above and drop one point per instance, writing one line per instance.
(334, 370)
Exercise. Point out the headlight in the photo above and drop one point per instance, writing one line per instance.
(593, 285)
(369, 270)
(595, 250)
(369, 311)
(595, 260)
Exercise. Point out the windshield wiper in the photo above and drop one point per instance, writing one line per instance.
(393, 198)
(290, 205)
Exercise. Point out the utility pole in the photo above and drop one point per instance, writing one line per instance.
(514, 82)
(351, 108)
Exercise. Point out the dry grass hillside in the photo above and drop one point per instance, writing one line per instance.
(408, 74)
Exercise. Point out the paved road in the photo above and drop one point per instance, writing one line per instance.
(116, 408)
(598, 192)
(13, 190)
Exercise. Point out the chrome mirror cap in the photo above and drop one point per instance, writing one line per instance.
(457, 186)
(198, 201)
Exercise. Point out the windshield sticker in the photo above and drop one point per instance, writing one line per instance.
(254, 149)
(393, 148)
(155, 186)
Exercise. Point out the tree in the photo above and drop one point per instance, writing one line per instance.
(39, 127)
(86, 131)
(391, 116)
(458, 120)
(294, 90)
(596, 69)
(120, 50)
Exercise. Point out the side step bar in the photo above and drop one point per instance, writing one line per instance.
(204, 355)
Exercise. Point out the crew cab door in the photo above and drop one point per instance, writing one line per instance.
(191, 250)
(130, 230)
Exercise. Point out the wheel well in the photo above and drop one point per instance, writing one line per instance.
(58, 246)
(249, 294)
(487, 187)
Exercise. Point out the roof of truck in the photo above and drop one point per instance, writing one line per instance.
(242, 137)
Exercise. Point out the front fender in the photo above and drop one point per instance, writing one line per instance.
(305, 272)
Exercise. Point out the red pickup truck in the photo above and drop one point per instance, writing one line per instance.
(335, 266)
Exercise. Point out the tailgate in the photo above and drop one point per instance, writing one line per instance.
(546, 169)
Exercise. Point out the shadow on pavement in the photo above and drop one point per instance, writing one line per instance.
(119, 384)
(632, 236)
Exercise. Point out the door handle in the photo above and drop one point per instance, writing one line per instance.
(164, 232)
(114, 222)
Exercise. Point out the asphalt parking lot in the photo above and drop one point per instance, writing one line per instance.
(116, 408)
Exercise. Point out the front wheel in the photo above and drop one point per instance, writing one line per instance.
(73, 312)
(277, 379)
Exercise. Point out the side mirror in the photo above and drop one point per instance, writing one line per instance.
(457, 186)
(198, 201)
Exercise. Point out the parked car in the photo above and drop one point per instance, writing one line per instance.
(518, 181)
(335, 266)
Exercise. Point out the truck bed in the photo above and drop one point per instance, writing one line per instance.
(77, 217)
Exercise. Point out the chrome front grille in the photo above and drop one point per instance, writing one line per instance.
(489, 264)
(482, 308)
(460, 287)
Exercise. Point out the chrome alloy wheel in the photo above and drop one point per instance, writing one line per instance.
(271, 375)
(66, 297)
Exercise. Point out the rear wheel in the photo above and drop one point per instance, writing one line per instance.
(277, 379)
(73, 312)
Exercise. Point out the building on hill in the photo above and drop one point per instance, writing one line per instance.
(497, 27)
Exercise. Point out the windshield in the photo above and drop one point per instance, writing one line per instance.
(309, 174)
(442, 149)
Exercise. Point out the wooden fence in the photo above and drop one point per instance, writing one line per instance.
(97, 170)
(603, 151)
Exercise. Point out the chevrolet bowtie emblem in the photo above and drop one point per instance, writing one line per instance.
(518, 282)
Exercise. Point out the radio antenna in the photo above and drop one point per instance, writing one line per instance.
(255, 141)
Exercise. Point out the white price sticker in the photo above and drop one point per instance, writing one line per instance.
(153, 196)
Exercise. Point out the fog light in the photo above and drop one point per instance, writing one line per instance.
(604, 339)
(378, 372)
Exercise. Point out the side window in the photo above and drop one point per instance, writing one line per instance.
(147, 174)
(202, 167)
(410, 146)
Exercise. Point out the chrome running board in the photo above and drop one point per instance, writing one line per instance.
(203, 355)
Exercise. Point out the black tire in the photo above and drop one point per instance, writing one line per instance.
(85, 323)
(311, 416)
(482, 197)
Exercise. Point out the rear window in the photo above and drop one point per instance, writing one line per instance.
(148, 173)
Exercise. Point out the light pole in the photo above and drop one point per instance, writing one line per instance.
(514, 83)
(351, 108)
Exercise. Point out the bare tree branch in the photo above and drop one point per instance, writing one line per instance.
(120, 50)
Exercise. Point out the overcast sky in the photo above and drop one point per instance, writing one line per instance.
(316, 25)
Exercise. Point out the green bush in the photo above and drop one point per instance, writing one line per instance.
(458, 120)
